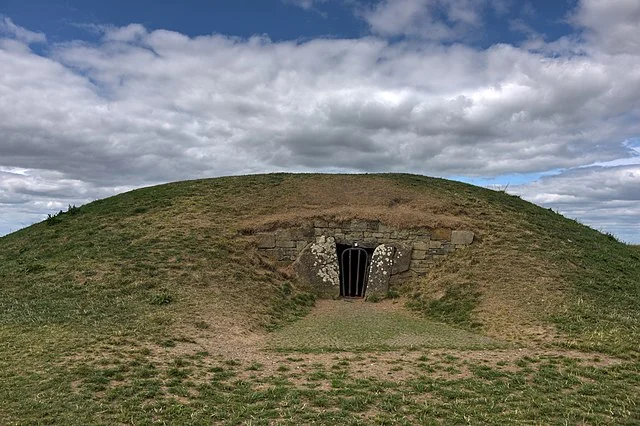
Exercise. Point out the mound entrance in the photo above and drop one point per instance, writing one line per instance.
(357, 258)
(354, 263)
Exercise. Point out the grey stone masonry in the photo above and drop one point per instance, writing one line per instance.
(286, 243)
(418, 254)
(266, 241)
(413, 250)
(461, 238)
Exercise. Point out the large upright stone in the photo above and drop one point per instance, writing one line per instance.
(380, 271)
(317, 264)
(402, 258)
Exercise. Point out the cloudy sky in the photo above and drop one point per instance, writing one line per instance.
(541, 97)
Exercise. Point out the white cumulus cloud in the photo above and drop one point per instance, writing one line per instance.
(612, 25)
(8, 28)
(606, 198)
(440, 20)
(143, 106)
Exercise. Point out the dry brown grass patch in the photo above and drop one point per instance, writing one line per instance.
(345, 198)
(518, 291)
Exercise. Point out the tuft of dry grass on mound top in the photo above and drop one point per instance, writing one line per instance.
(371, 198)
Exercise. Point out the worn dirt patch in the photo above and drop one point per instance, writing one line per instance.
(249, 355)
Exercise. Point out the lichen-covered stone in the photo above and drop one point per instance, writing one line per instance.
(402, 258)
(380, 271)
(317, 264)
(461, 237)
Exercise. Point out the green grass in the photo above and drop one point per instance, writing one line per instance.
(595, 277)
(603, 314)
(349, 326)
(152, 306)
(454, 307)
(433, 389)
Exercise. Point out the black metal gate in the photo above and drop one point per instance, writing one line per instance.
(354, 271)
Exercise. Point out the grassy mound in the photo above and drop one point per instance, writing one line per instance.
(174, 254)
(133, 297)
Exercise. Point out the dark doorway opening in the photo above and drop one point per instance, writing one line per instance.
(354, 269)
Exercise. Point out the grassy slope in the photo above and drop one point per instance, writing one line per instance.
(118, 261)
(135, 276)
(534, 265)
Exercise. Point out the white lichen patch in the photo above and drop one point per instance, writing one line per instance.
(383, 256)
(324, 252)
(381, 263)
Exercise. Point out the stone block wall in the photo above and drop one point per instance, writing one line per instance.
(415, 249)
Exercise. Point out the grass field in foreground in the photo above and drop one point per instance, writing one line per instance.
(153, 307)
(443, 376)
